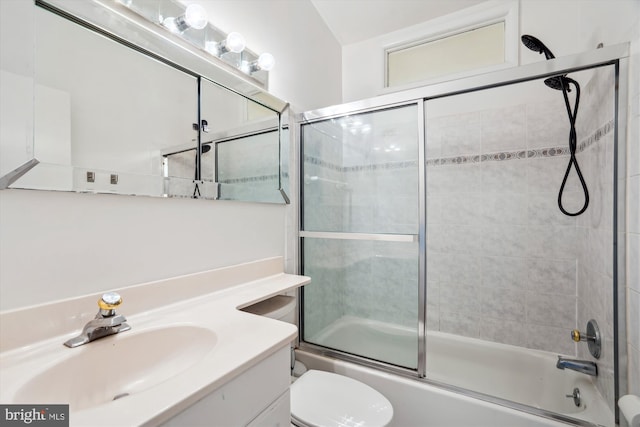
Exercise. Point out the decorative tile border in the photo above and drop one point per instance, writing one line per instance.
(474, 158)
(596, 136)
(382, 166)
(253, 179)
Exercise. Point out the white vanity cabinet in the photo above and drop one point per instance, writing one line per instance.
(258, 397)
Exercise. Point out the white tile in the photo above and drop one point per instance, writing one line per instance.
(503, 129)
(460, 139)
(633, 261)
(634, 371)
(633, 143)
(459, 298)
(547, 338)
(503, 304)
(504, 272)
(460, 324)
(462, 209)
(504, 208)
(552, 276)
(544, 175)
(547, 124)
(552, 242)
(633, 305)
(633, 201)
(551, 310)
(542, 208)
(508, 240)
(506, 176)
(453, 179)
(504, 331)
(456, 268)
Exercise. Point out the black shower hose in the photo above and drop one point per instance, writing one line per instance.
(565, 81)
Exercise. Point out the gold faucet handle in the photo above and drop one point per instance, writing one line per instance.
(110, 301)
(575, 335)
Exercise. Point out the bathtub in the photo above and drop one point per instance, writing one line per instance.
(527, 377)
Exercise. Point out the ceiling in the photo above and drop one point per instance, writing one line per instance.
(352, 21)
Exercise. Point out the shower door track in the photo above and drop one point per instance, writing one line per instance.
(360, 236)
(616, 55)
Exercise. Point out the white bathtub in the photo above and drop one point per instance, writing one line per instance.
(525, 376)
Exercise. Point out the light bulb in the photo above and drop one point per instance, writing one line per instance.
(235, 42)
(266, 61)
(195, 16)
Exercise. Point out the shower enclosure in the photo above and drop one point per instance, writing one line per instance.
(430, 225)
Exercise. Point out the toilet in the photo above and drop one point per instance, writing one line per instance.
(325, 399)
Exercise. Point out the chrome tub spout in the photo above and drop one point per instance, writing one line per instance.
(583, 366)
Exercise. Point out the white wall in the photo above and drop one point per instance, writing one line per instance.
(308, 57)
(58, 245)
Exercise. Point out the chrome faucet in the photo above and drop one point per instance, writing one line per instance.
(106, 322)
(583, 366)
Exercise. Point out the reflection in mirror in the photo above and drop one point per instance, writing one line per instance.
(107, 111)
(122, 118)
(246, 137)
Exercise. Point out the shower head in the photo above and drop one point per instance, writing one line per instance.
(558, 83)
(537, 46)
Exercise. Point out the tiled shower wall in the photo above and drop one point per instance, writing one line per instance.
(504, 264)
(501, 258)
(595, 226)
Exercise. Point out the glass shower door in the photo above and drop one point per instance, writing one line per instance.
(360, 227)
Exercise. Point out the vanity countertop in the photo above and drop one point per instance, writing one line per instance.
(32, 339)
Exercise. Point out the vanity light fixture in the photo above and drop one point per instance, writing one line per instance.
(233, 43)
(178, 19)
(265, 62)
(194, 17)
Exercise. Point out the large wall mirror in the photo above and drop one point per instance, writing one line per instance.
(116, 114)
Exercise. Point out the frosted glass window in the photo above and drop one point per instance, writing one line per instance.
(474, 49)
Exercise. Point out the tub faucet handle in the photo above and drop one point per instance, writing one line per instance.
(578, 336)
(592, 337)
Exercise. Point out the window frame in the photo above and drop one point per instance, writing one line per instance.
(453, 25)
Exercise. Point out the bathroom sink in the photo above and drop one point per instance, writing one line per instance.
(119, 365)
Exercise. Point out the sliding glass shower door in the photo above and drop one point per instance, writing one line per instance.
(360, 233)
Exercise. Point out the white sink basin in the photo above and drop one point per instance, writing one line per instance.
(119, 365)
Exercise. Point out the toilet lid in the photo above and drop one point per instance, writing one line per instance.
(325, 399)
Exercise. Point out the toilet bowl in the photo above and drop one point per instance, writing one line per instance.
(325, 399)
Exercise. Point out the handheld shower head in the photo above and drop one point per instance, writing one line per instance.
(559, 83)
(537, 46)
